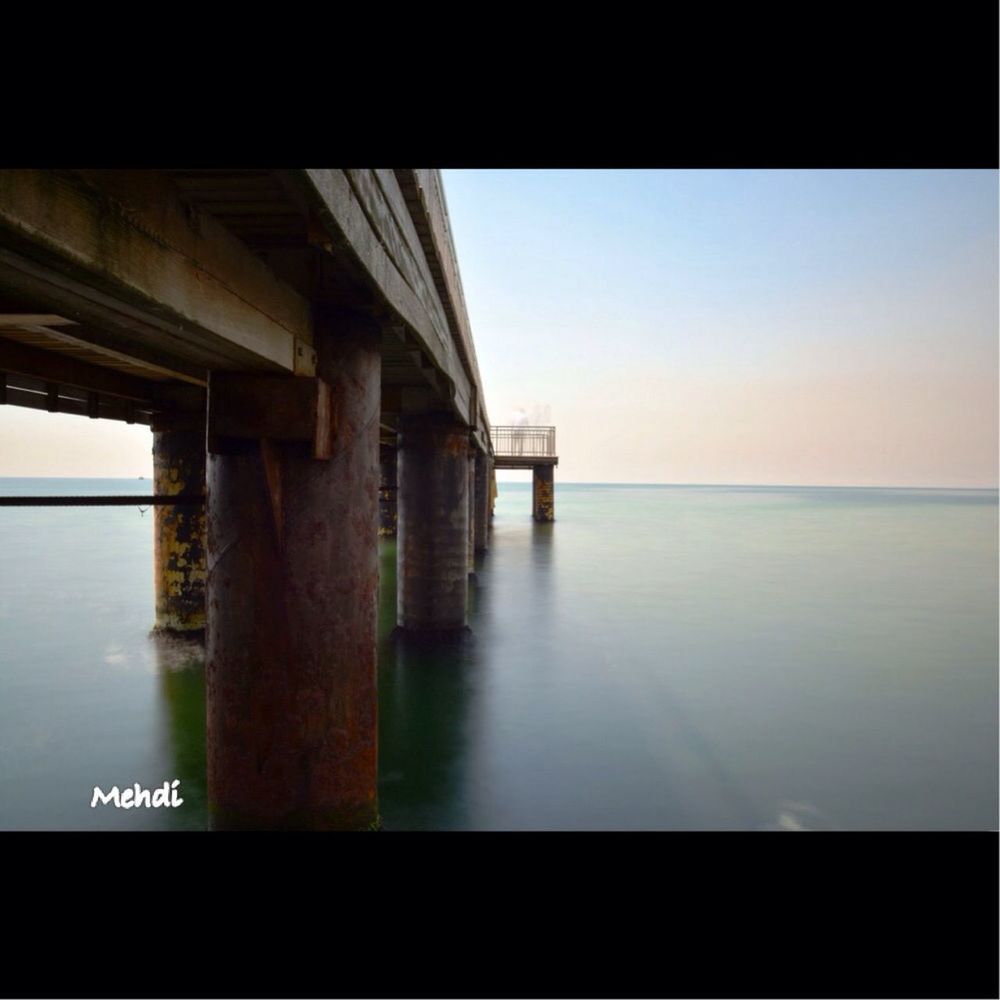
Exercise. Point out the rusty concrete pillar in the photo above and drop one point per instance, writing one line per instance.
(482, 502)
(179, 532)
(292, 590)
(543, 506)
(387, 493)
(432, 549)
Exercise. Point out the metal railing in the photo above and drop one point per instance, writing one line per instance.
(530, 442)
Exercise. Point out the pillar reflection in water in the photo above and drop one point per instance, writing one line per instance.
(427, 685)
(180, 664)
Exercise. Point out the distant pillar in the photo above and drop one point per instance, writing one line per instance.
(179, 532)
(493, 489)
(543, 506)
(292, 590)
(387, 494)
(433, 525)
(472, 510)
(482, 500)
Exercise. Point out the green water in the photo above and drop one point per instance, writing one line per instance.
(660, 658)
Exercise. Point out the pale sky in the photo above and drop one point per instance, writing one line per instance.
(773, 327)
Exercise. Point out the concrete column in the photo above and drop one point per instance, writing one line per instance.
(433, 526)
(482, 505)
(472, 511)
(179, 532)
(387, 493)
(292, 591)
(543, 506)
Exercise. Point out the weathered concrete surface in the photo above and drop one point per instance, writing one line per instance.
(179, 548)
(292, 589)
(543, 506)
(432, 547)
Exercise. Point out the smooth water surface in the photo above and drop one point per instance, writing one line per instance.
(660, 658)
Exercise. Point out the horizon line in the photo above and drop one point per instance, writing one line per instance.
(595, 482)
(796, 486)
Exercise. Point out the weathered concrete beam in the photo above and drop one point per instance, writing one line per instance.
(110, 247)
(38, 394)
(52, 366)
(274, 408)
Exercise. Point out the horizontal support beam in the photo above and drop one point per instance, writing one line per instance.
(53, 366)
(272, 408)
(21, 390)
(123, 243)
(523, 461)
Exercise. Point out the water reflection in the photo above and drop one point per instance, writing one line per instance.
(542, 547)
(180, 666)
(425, 690)
(659, 658)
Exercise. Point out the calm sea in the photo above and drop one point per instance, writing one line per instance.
(660, 658)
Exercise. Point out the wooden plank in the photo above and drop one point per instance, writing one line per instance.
(128, 235)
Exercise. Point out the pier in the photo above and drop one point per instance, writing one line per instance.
(534, 448)
(299, 345)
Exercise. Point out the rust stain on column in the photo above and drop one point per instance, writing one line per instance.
(179, 532)
(292, 589)
(543, 493)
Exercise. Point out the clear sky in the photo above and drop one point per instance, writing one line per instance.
(820, 327)
(815, 327)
